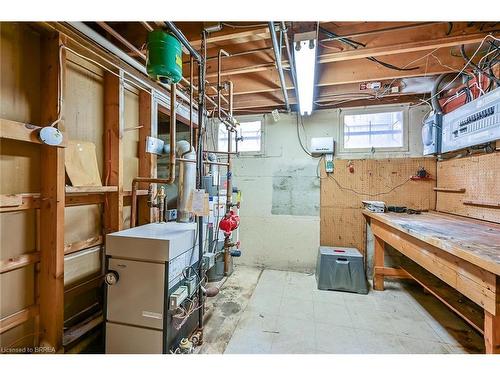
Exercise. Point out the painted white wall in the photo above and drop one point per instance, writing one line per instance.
(280, 222)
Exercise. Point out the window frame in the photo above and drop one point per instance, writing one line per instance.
(371, 110)
(260, 118)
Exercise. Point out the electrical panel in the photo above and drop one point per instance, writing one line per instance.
(431, 134)
(473, 123)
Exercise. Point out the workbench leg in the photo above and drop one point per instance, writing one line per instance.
(378, 278)
(491, 333)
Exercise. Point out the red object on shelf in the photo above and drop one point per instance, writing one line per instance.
(230, 222)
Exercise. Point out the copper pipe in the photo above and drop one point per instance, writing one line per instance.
(220, 152)
(122, 40)
(229, 198)
(135, 183)
(147, 26)
(219, 85)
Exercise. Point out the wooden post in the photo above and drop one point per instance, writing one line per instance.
(492, 325)
(113, 161)
(147, 161)
(378, 278)
(52, 200)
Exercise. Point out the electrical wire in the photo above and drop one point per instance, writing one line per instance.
(460, 72)
(368, 194)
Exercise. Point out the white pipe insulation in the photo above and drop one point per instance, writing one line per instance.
(187, 178)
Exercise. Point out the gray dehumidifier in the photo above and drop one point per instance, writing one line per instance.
(341, 268)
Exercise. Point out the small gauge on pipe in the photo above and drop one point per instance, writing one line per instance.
(112, 277)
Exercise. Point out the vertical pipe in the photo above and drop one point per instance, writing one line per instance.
(290, 62)
(191, 72)
(173, 121)
(199, 167)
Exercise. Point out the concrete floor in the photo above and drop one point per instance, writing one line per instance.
(283, 312)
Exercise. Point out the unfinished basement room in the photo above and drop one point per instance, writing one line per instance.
(219, 184)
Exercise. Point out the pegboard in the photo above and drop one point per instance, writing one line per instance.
(480, 177)
(342, 221)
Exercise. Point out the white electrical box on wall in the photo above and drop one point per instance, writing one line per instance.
(322, 145)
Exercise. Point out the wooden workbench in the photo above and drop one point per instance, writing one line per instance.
(462, 252)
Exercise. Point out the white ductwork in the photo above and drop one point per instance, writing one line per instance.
(186, 181)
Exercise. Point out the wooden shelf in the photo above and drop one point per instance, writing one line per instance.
(18, 318)
(449, 190)
(482, 204)
(90, 189)
(460, 304)
(128, 193)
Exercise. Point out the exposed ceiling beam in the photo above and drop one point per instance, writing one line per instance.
(345, 72)
(361, 53)
(229, 34)
(393, 49)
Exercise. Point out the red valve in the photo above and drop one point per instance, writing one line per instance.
(230, 222)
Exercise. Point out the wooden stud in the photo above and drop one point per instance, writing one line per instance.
(113, 155)
(147, 161)
(378, 278)
(52, 200)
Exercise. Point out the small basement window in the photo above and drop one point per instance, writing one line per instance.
(251, 137)
(364, 130)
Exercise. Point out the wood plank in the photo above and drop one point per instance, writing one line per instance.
(472, 240)
(482, 203)
(392, 49)
(113, 150)
(82, 200)
(449, 190)
(473, 282)
(20, 131)
(18, 318)
(19, 261)
(11, 200)
(492, 333)
(461, 305)
(147, 161)
(82, 245)
(392, 272)
(378, 263)
(74, 333)
(90, 189)
(52, 198)
(28, 202)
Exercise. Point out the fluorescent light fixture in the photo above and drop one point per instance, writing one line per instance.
(305, 66)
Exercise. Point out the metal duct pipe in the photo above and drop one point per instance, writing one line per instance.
(121, 39)
(173, 130)
(279, 67)
(290, 60)
(186, 180)
(183, 40)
